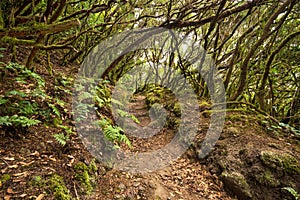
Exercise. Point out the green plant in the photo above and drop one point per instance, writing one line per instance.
(5, 178)
(1, 55)
(58, 187)
(28, 104)
(101, 96)
(123, 113)
(61, 138)
(85, 175)
(293, 192)
(113, 133)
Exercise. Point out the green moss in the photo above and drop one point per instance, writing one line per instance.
(36, 181)
(236, 183)
(1, 19)
(5, 177)
(237, 117)
(277, 161)
(93, 167)
(58, 187)
(151, 98)
(204, 105)
(177, 109)
(268, 179)
(84, 174)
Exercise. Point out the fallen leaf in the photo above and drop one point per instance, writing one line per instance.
(72, 160)
(21, 174)
(53, 159)
(23, 195)
(17, 180)
(13, 166)
(3, 170)
(41, 196)
(26, 164)
(0, 184)
(8, 158)
(36, 153)
(10, 191)
(7, 197)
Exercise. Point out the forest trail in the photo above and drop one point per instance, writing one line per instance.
(184, 178)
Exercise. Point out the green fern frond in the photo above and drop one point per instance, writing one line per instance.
(293, 192)
(5, 121)
(23, 121)
(3, 101)
(61, 138)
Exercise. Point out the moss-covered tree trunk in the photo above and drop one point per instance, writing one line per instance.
(1, 18)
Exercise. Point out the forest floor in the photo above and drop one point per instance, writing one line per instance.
(250, 161)
(36, 155)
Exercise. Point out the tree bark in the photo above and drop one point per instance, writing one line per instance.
(21, 32)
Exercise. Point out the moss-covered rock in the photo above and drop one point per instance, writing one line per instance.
(58, 187)
(85, 175)
(285, 162)
(268, 179)
(236, 183)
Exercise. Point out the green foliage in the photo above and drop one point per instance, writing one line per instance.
(37, 181)
(58, 187)
(113, 133)
(293, 192)
(282, 127)
(23, 121)
(101, 96)
(61, 138)
(21, 105)
(5, 178)
(29, 104)
(85, 175)
(123, 113)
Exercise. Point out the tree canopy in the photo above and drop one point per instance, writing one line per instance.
(255, 43)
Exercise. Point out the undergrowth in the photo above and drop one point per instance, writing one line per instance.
(98, 100)
(26, 102)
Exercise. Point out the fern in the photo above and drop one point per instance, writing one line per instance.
(3, 101)
(126, 114)
(293, 192)
(113, 133)
(5, 121)
(28, 108)
(28, 73)
(61, 138)
(23, 121)
(99, 102)
(55, 110)
(16, 93)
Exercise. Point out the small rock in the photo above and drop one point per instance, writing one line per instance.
(136, 184)
(236, 183)
(118, 197)
(122, 186)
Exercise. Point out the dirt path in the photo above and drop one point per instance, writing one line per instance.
(184, 179)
